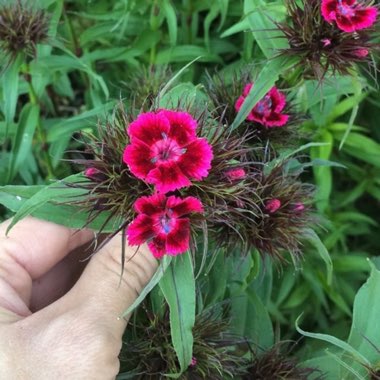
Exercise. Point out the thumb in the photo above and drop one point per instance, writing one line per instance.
(102, 292)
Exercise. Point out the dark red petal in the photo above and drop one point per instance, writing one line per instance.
(364, 18)
(149, 127)
(345, 24)
(258, 118)
(278, 99)
(158, 246)
(247, 88)
(168, 177)
(196, 161)
(152, 205)
(177, 240)
(140, 230)
(239, 103)
(182, 126)
(276, 120)
(328, 9)
(184, 206)
(137, 157)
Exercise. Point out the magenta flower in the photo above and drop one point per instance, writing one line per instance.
(165, 150)
(91, 172)
(162, 222)
(361, 53)
(272, 205)
(268, 110)
(349, 15)
(235, 174)
(299, 207)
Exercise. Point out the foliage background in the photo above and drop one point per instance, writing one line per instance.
(98, 51)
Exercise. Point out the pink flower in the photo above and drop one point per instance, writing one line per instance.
(349, 15)
(193, 362)
(235, 174)
(268, 110)
(272, 205)
(162, 222)
(165, 150)
(326, 42)
(361, 53)
(91, 172)
(298, 207)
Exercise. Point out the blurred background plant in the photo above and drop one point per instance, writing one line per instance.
(74, 61)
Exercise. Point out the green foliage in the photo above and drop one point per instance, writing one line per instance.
(357, 357)
(178, 287)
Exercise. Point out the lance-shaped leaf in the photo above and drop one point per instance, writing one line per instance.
(178, 287)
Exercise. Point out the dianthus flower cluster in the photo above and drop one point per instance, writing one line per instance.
(166, 152)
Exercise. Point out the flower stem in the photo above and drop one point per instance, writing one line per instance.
(40, 131)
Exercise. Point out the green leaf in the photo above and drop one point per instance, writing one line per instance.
(70, 125)
(265, 80)
(24, 137)
(267, 35)
(314, 239)
(216, 281)
(326, 364)
(171, 19)
(58, 191)
(250, 317)
(334, 341)
(172, 80)
(10, 84)
(152, 283)
(362, 147)
(185, 53)
(211, 16)
(14, 197)
(365, 329)
(350, 125)
(236, 28)
(178, 287)
(323, 174)
(345, 365)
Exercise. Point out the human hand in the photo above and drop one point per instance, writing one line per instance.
(52, 326)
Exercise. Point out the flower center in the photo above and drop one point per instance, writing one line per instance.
(264, 106)
(345, 10)
(166, 150)
(166, 221)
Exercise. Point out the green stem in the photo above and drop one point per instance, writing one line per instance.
(40, 131)
(74, 38)
(154, 28)
(76, 45)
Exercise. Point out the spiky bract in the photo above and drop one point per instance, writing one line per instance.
(113, 187)
(321, 46)
(237, 212)
(144, 85)
(148, 351)
(275, 365)
(22, 27)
